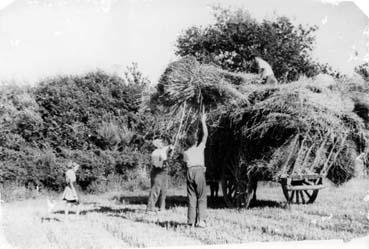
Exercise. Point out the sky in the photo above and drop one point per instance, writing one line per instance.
(41, 38)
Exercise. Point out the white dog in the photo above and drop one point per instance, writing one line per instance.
(50, 205)
(53, 205)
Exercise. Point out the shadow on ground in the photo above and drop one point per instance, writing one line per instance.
(165, 224)
(110, 211)
(125, 213)
(49, 219)
(170, 201)
(181, 201)
(268, 203)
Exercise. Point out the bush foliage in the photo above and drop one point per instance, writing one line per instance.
(93, 119)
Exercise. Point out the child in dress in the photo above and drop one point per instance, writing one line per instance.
(70, 195)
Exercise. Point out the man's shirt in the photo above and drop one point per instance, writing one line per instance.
(194, 156)
(265, 69)
(158, 156)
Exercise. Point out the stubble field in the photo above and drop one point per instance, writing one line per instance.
(118, 220)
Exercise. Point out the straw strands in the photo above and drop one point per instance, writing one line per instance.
(299, 128)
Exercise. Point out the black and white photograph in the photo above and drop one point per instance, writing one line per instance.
(176, 123)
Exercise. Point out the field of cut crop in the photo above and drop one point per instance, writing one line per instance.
(118, 220)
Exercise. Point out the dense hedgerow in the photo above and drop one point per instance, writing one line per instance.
(93, 119)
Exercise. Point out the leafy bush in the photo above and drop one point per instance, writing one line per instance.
(93, 119)
(73, 107)
(13, 192)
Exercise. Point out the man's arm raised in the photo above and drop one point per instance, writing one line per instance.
(204, 128)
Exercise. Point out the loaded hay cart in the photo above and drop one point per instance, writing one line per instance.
(239, 184)
(296, 134)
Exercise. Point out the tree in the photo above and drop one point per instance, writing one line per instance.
(236, 36)
(134, 76)
(363, 71)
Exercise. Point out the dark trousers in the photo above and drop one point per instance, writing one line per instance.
(196, 192)
(159, 186)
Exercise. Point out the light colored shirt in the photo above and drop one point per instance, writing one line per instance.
(159, 155)
(70, 176)
(265, 69)
(194, 156)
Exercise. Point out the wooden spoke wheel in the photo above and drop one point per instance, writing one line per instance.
(301, 196)
(234, 183)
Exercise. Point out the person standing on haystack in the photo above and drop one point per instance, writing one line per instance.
(196, 183)
(265, 71)
(70, 195)
(159, 174)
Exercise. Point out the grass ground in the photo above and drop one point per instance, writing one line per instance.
(119, 220)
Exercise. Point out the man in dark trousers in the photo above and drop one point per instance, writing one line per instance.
(159, 174)
(196, 183)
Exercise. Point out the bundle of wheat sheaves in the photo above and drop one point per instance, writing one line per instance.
(310, 126)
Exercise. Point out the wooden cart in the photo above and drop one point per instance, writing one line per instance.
(301, 189)
(239, 188)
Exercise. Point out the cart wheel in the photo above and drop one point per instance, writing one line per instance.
(301, 196)
(235, 182)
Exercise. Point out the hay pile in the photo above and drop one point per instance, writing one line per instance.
(187, 81)
(298, 128)
(293, 129)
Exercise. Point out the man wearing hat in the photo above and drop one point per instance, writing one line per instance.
(159, 174)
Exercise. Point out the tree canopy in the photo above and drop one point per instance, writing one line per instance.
(236, 36)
